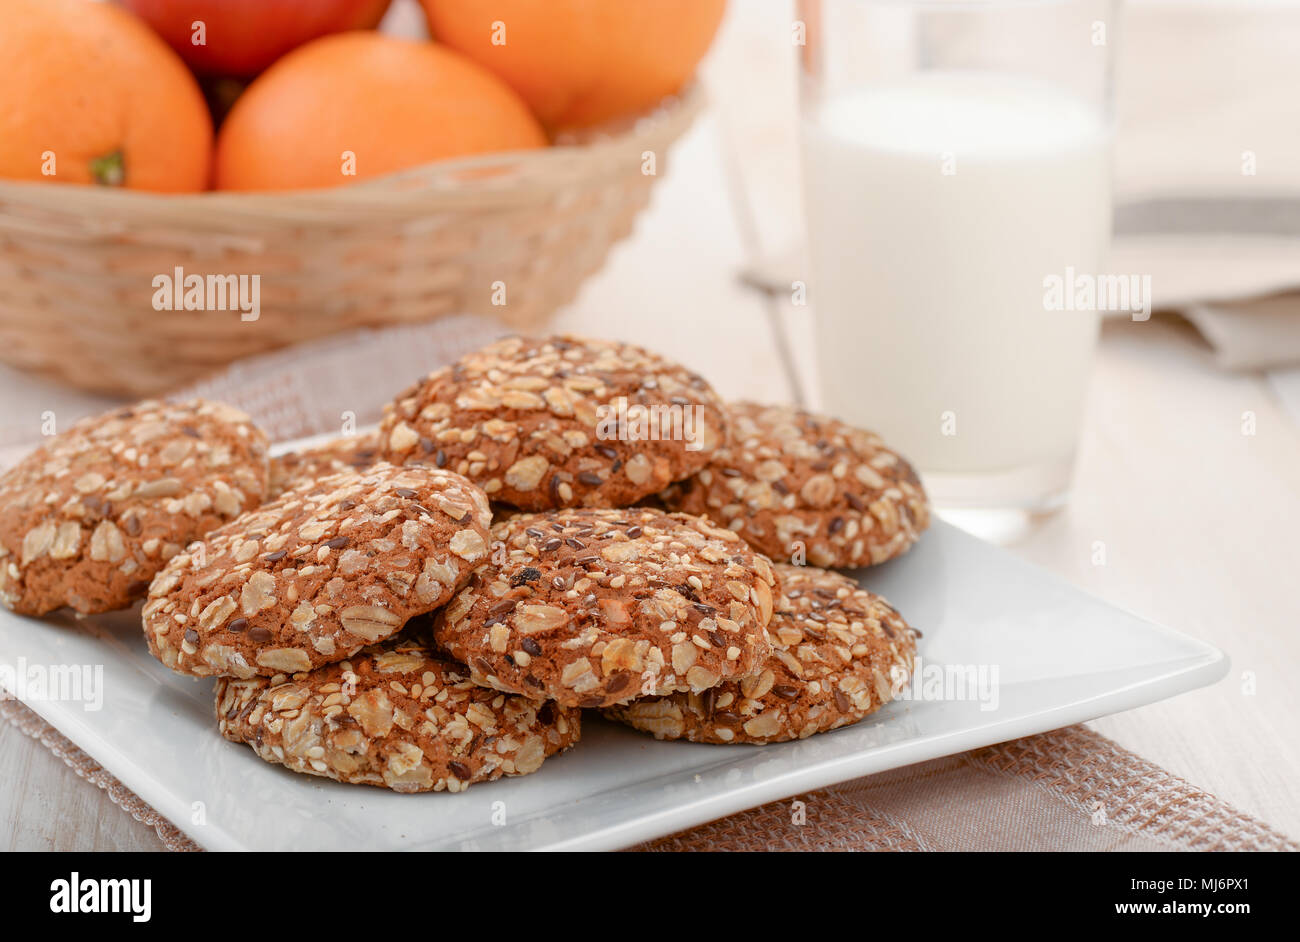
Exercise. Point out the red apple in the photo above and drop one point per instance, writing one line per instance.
(242, 37)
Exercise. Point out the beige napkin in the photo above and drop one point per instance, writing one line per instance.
(1207, 172)
(1207, 169)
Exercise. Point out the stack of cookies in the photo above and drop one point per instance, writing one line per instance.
(546, 526)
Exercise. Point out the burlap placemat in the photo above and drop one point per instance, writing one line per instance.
(1071, 789)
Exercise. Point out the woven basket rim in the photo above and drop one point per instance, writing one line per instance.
(465, 179)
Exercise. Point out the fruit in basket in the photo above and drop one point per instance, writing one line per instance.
(242, 37)
(91, 95)
(581, 62)
(361, 104)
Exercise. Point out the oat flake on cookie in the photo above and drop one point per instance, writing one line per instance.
(90, 516)
(794, 483)
(318, 574)
(397, 716)
(839, 654)
(559, 422)
(347, 452)
(594, 607)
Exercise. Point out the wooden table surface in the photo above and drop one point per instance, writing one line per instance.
(1198, 520)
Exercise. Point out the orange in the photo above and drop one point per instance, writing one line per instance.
(243, 37)
(365, 103)
(581, 62)
(90, 95)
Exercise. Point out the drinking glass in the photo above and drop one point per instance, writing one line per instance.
(956, 171)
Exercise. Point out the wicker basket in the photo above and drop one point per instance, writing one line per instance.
(77, 264)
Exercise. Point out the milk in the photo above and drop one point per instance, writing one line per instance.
(936, 208)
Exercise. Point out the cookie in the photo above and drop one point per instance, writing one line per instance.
(90, 516)
(318, 574)
(792, 480)
(840, 653)
(592, 607)
(397, 716)
(559, 422)
(348, 452)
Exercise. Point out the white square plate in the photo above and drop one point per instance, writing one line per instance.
(1061, 655)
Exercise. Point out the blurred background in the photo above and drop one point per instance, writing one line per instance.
(1207, 192)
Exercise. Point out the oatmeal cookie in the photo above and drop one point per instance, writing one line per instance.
(559, 422)
(840, 653)
(790, 478)
(318, 574)
(594, 607)
(348, 452)
(89, 517)
(394, 715)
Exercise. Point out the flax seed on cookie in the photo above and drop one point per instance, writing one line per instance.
(839, 654)
(347, 452)
(394, 715)
(594, 607)
(559, 422)
(791, 480)
(93, 514)
(318, 574)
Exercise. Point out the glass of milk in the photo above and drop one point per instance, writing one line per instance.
(956, 162)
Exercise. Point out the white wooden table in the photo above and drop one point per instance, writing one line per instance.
(1198, 520)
